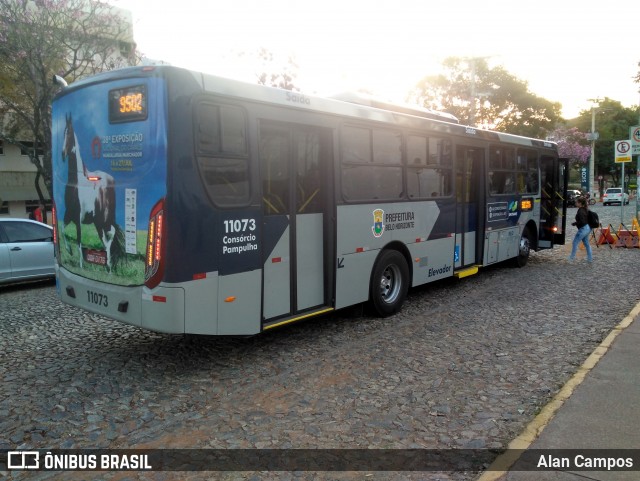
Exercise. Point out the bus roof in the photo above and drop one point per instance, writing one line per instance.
(356, 98)
(346, 105)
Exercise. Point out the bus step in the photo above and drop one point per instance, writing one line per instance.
(296, 318)
(469, 271)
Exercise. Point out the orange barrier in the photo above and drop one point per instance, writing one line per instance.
(625, 238)
(606, 237)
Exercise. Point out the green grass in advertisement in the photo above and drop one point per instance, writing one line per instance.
(128, 272)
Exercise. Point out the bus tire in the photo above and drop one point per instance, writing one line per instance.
(524, 249)
(389, 283)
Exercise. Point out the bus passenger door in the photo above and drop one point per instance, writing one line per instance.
(553, 206)
(295, 162)
(468, 177)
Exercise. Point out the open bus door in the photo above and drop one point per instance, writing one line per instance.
(553, 208)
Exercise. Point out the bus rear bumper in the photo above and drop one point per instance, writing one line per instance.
(160, 310)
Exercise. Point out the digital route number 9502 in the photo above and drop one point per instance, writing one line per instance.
(128, 104)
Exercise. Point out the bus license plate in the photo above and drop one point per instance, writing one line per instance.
(97, 298)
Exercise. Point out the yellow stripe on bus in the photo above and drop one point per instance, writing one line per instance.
(289, 321)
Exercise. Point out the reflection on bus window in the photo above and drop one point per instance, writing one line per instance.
(371, 164)
(502, 165)
(428, 167)
(274, 154)
(501, 182)
(309, 150)
(223, 160)
(527, 172)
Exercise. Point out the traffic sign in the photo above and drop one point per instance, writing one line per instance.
(634, 135)
(623, 151)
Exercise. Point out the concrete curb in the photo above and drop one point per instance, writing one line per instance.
(502, 463)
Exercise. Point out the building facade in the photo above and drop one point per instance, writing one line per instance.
(18, 193)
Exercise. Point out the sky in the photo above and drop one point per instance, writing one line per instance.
(568, 51)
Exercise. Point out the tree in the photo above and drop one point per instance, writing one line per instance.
(612, 123)
(274, 75)
(572, 144)
(40, 38)
(488, 98)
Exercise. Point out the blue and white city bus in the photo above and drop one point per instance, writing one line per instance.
(189, 203)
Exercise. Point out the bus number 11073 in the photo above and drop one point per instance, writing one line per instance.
(96, 298)
(239, 225)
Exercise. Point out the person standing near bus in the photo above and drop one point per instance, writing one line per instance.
(582, 235)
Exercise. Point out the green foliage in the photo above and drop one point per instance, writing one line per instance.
(612, 122)
(488, 98)
(40, 38)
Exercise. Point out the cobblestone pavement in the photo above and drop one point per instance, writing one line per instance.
(465, 364)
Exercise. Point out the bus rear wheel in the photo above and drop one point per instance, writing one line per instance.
(389, 283)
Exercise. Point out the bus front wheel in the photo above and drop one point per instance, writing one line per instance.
(389, 283)
(524, 248)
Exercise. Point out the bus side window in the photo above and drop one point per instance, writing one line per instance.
(309, 151)
(275, 161)
(527, 172)
(222, 153)
(428, 167)
(371, 164)
(502, 166)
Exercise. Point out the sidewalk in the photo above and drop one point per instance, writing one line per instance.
(599, 408)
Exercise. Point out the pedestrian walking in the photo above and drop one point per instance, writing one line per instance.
(582, 223)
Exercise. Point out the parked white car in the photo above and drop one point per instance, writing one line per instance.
(614, 195)
(26, 250)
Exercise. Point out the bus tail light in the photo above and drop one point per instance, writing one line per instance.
(154, 259)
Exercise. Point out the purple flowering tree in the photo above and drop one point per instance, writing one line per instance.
(572, 144)
(40, 38)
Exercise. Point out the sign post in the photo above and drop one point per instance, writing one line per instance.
(623, 155)
(634, 135)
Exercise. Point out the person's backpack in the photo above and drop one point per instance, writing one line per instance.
(593, 220)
